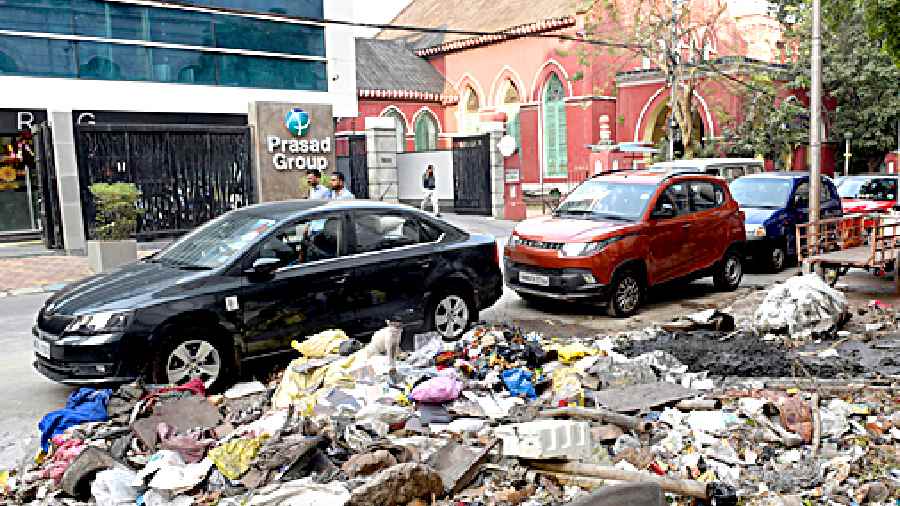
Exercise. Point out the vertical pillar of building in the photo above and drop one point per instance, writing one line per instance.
(496, 130)
(381, 155)
(68, 185)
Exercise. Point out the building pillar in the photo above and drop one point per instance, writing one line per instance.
(381, 155)
(496, 130)
(68, 184)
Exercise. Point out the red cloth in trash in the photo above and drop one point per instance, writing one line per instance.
(195, 385)
(64, 452)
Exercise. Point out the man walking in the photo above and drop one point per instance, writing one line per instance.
(430, 191)
(338, 191)
(317, 191)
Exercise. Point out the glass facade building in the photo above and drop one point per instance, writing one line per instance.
(96, 39)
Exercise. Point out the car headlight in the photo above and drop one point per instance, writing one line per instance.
(756, 231)
(99, 323)
(583, 249)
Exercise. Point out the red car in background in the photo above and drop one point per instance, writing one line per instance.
(868, 193)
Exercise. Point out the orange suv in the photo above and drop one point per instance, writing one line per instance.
(617, 235)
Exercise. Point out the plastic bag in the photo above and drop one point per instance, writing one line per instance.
(439, 389)
(234, 457)
(112, 487)
(322, 344)
(518, 382)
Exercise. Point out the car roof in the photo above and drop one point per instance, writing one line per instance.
(287, 209)
(648, 176)
(705, 162)
(777, 175)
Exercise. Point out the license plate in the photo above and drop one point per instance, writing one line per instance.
(534, 279)
(42, 348)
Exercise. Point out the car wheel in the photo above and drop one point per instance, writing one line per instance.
(450, 315)
(777, 259)
(185, 358)
(729, 272)
(626, 294)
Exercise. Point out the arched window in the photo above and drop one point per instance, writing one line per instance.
(426, 129)
(554, 125)
(401, 127)
(468, 121)
(509, 102)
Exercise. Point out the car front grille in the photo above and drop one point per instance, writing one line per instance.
(542, 244)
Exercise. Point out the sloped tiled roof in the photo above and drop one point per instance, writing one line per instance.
(390, 69)
(476, 16)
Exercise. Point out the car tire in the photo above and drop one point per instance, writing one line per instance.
(626, 294)
(450, 314)
(184, 356)
(729, 272)
(777, 259)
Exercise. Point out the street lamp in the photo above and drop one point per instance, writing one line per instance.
(847, 137)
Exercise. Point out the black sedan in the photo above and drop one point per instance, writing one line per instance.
(247, 283)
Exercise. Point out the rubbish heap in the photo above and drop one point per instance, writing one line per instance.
(500, 417)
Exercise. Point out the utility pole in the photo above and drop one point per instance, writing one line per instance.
(815, 115)
(673, 57)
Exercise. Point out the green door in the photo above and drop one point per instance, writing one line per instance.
(555, 145)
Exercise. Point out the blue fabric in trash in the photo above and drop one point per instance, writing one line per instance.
(84, 405)
(518, 382)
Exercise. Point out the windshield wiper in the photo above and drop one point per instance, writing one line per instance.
(576, 212)
(185, 266)
(613, 217)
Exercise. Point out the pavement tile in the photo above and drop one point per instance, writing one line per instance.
(36, 272)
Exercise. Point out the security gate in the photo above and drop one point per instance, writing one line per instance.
(353, 163)
(45, 164)
(187, 174)
(472, 175)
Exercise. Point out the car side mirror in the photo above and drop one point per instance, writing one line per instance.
(264, 266)
(664, 211)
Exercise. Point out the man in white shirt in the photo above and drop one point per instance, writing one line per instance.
(338, 191)
(317, 191)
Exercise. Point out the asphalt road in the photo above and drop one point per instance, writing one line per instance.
(26, 395)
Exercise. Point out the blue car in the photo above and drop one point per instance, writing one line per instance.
(773, 204)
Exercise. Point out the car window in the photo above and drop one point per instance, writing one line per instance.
(801, 195)
(677, 195)
(376, 232)
(305, 241)
(706, 195)
(879, 189)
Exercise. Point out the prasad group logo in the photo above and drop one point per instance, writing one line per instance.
(297, 121)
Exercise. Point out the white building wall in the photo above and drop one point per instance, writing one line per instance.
(411, 166)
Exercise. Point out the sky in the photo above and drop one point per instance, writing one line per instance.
(376, 11)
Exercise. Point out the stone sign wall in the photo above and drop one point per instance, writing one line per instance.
(288, 139)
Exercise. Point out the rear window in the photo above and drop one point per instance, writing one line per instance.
(879, 189)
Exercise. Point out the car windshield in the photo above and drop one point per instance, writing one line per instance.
(770, 193)
(216, 243)
(603, 199)
(848, 188)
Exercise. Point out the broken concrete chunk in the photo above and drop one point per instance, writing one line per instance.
(458, 464)
(628, 494)
(398, 485)
(547, 439)
(364, 464)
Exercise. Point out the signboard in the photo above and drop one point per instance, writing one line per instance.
(512, 175)
(17, 120)
(288, 140)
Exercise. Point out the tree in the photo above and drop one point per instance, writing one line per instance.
(642, 31)
(859, 81)
(883, 24)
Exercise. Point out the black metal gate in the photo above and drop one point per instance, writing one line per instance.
(472, 175)
(355, 166)
(45, 164)
(187, 174)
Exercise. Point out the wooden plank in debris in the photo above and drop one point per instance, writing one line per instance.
(638, 397)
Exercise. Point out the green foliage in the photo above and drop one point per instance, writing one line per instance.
(117, 210)
(883, 24)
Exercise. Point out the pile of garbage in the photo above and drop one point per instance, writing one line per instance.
(500, 417)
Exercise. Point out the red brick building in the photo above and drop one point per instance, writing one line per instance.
(438, 85)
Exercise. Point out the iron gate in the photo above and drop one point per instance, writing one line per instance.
(187, 174)
(354, 164)
(45, 163)
(472, 175)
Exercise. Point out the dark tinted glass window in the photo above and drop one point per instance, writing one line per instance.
(36, 57)
(109, 20)
(299, 8)
(181, 27)
(180, 66)
(376, 232)
(677, 195)
(259, 35)
(879, 189)
(305, 241)
(113, 62)
(706, 195)
(36, 16)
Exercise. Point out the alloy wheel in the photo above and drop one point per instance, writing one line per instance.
(628, 294)
(733, 271)
(195, 358)
(451, 316)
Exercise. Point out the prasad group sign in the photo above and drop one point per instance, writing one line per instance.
(289, 139)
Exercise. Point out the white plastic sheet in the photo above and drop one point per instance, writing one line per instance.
(803, 305)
